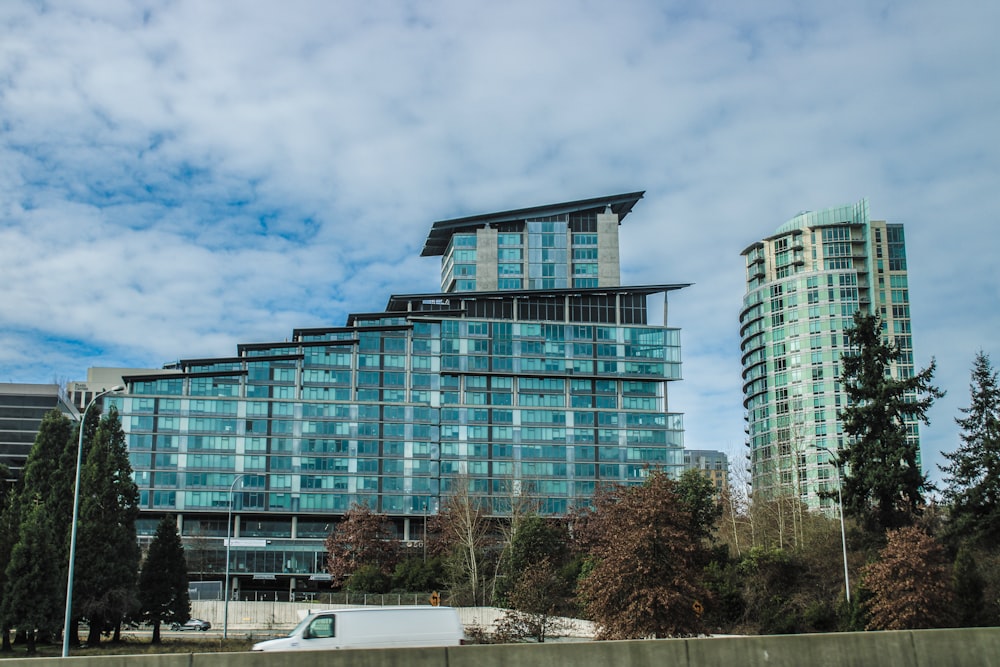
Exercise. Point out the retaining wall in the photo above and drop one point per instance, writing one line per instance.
(272, 619)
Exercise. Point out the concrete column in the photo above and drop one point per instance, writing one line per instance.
(608, 256)
(486, 259)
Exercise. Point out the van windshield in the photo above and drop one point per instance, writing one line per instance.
(302, 625)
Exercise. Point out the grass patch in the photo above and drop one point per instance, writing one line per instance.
(130, 645)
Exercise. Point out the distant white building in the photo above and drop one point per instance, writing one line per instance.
(711, 463)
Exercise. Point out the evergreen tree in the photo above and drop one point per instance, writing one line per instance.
(43, 476)
(33, 599)
(971, 609)
(417, 574)
(49, 473)
(63, 486)
(33, 531)
(8, 538)
(163, 581)
(107, 550)
(973, 474)
(883, 483)
(535, 540)
(536, 601)
(697, 494)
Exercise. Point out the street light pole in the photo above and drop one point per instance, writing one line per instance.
(843, 534)
(229, 539)
(76, 515)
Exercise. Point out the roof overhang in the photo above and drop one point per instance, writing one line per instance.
(397, 302)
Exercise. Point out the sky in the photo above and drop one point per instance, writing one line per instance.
(179, 176)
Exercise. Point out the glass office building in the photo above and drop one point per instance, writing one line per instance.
(804, 284)
(539, 389)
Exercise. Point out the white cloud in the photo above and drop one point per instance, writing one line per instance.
(177, 177)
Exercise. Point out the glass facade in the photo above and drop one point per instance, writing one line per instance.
(538, 394)
(804, 285)
(538, 252)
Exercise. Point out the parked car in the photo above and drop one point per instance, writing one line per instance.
(193, 624)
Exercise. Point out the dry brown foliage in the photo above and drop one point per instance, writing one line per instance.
(363, 537)
(910, 583)
(645, 578)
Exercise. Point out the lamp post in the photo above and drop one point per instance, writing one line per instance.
(843, 534)
(229, 539)
(76, 515)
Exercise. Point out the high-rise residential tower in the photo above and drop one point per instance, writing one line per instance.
(532, 374)
(804, 284)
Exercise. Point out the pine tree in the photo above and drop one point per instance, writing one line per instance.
(973, 474)
(883, 484)
(971, 609)
(9, 526)
(107, 549)
(32, 598)
(163, 581)
(34, 533)
(62, 489)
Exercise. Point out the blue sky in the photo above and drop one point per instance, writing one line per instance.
(180, 176)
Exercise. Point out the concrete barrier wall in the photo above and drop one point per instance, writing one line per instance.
(972, 646)
(651, 653)
(969, 647)
(253, 616)
(881, 649)
(413, 657)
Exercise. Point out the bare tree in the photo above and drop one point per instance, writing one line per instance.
(464, 534)
(518, 504)
(737, 525)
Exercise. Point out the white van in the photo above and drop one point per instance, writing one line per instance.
(371, 627)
